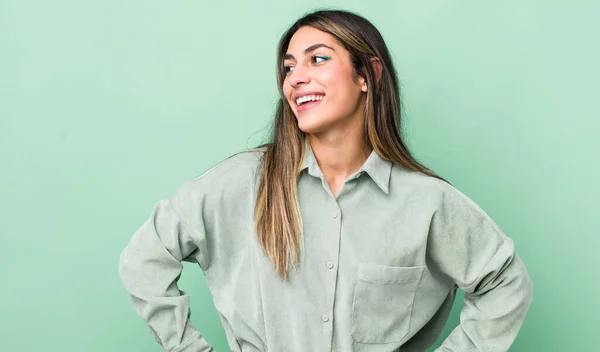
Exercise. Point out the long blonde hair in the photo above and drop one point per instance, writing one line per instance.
(278, 223)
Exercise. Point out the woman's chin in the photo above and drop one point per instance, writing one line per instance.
(311, 127)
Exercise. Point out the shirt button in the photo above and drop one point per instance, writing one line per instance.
(325, 318)
(330, 265)
(334, 215)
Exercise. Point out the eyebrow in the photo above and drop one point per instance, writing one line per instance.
(308, 50)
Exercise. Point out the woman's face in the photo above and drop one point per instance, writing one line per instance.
(319, 84)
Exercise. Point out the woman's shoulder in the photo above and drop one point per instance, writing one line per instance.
(234, 174)
(236, 164)
(433, 189)
(411, 179)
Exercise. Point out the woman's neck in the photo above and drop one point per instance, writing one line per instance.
(339, 156)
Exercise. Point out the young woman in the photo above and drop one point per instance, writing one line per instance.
(332, 237)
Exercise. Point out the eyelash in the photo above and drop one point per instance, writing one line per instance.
(286, 69)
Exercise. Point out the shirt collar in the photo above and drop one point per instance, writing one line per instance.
(377, 168)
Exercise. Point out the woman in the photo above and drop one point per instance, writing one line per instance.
(331, 237)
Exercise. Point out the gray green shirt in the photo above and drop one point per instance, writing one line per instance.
(379, 268)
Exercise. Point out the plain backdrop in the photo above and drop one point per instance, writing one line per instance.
(108, 106)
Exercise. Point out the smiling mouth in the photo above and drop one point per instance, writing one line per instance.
(308, 101)
(309, 98)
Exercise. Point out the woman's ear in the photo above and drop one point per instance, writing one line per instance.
(378, 68)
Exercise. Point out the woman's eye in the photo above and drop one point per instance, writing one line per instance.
(320, 59)
(288, 69)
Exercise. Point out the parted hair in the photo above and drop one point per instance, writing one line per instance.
(277, 219)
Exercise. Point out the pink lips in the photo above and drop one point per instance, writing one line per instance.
(308, 105)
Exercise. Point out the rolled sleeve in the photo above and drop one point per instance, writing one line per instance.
(150, 266)
(467, 246)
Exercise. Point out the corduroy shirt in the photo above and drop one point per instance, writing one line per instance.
(379, 267)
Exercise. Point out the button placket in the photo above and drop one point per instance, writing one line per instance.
(330, 261)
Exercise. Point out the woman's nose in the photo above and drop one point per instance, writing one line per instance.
(298, 77)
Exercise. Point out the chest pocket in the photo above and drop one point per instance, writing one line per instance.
(383, 301)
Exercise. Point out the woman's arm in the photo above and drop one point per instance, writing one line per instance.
(468, 246)
(150, 267)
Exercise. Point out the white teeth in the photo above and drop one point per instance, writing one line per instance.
(308, 98)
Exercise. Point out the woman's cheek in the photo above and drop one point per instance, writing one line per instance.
(327, 77)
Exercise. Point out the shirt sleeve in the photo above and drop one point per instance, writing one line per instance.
(470, 249)
(150, 266)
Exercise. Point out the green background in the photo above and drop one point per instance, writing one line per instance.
(108, 106)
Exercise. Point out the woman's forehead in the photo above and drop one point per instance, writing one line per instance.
(305, 37)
